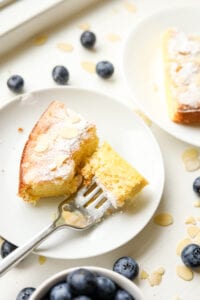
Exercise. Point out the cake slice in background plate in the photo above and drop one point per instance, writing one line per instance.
(181, 55)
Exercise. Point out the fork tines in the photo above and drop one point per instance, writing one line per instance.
(92, 199)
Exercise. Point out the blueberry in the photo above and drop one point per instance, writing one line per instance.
(127, 267)
(82, 282)
(88, 39)
(15, 83)
(82, 298)
(25, 293)
(61, 291)
(191, 255)
(7, 248)
(104, 69)
(106, 288)
(123, 295)
(60, 74)
(196, 186)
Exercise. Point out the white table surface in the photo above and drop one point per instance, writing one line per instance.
(155, 246)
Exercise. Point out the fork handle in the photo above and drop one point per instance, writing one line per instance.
(21, 252)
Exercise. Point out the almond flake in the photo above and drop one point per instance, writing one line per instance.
(163, 219)
(192, 165)
(182, 244)
(190, 154)
(144, 275)
(42, 143)
(155, 278)
(60, 160)
(196, 203)
(193, 231)
(84, 26)
(69, 132)
(130, 7)
(184, 272)
(190, 220)
(88, 66)
(65, 47)
(112, 37)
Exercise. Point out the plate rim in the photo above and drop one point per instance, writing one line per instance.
(138, 120)
(131, 92)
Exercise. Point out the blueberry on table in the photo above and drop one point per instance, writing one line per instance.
(7, 248)
(25, 293)
(88, 39)
(196, 186)
(127, 267)
(123, 295)
(82, 282)
(15, 83)
(104, 69)
(60, 74)
(191, 255)
(61, 291)
(106, 288)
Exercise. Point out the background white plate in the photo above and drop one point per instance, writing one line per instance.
(143, 66)
(125, 132)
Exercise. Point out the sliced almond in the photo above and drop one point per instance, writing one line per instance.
(182, 244)
(197, 238)
(88, 66)
(192, 165)
(163, 219)
(144, 274)
(74, 118)
(69, 132)
(130, 7)
(113, 37)
(155, 278)
(193, 231)
(59, 160)
(190, 220)
(66, 47)
(190, 154)
(196, 203)
(184, 272)
(42, 143)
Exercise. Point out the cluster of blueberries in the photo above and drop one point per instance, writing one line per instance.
(83, 284)
(60, 74)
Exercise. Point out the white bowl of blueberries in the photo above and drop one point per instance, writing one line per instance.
(91, 283)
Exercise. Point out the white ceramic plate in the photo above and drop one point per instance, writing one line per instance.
(144, 71)
(116, 124)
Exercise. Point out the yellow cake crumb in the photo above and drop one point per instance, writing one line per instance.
(119, 179)
(113, 37)
(130, 7)
(84, 26)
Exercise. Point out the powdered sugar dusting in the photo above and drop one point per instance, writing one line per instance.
(184, 55)
(53, 160)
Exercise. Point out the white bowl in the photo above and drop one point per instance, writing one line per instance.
(123, 282)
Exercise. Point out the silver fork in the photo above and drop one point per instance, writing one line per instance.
(89, 205)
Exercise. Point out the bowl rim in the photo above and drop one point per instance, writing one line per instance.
(122, 281)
